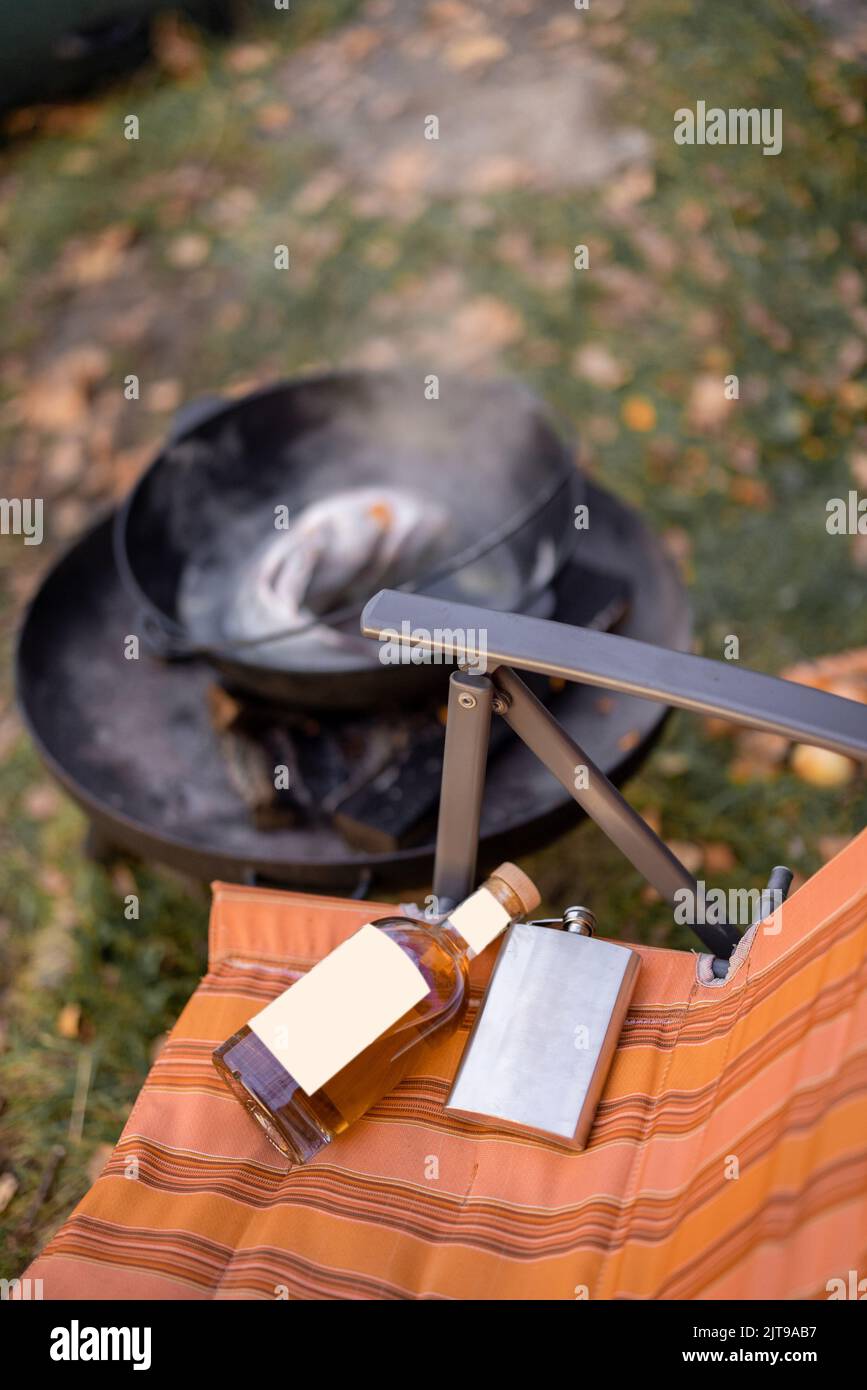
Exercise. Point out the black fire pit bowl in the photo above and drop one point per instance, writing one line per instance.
(134, 745)
(484, 451)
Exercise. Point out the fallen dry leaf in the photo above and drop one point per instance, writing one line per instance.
(660, 251)
(708, 406)
(671, 763)
(475, 50)
(377, 354)
(80, 161)
(693, 216)
(594, 363)
(356, 43)
(41, 801)
(763, 750)
(829, 672)
(849, 285)
(563, 28)
(163, 395)
(639, 414)
(632, 186)
(690, 855)
(742, 770)
(176, 45)
(852, 396)
(70, 517)
(719, 858)
(123, 880)
(61, 118)
(53, 405)
(85, 364)
(744, 455)
(69, 1021)
(274, 115)
(858, 465)
(244, 58)
(606, 35)
(65, 461)
(234, 207)
(750, 492)
(500, 172)
(486, 324)
(314, 195)
(188, 251)
(8, 1188)
(851, 356)
(405, 170)
(450, 14)
(678, 544)
(821, 767)
(94, 259)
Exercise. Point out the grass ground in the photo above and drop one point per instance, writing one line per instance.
(158, 259)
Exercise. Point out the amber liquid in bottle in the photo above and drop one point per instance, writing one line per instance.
(299, 1125)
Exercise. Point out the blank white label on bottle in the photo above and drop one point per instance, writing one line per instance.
(340, 1007)
(479, 919)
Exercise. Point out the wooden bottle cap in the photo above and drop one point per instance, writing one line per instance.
(523, 887)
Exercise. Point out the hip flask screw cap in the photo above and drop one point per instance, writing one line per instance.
(579, 920)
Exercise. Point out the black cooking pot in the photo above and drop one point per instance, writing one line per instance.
(485, 451)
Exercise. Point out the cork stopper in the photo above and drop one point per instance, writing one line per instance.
(523, 887)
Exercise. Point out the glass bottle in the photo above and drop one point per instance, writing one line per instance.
(432, 960)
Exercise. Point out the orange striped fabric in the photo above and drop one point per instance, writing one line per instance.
(727, 1159)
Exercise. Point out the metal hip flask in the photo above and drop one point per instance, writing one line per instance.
(542, 1045)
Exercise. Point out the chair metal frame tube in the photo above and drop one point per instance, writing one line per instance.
(468, 726)
(603, 659)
